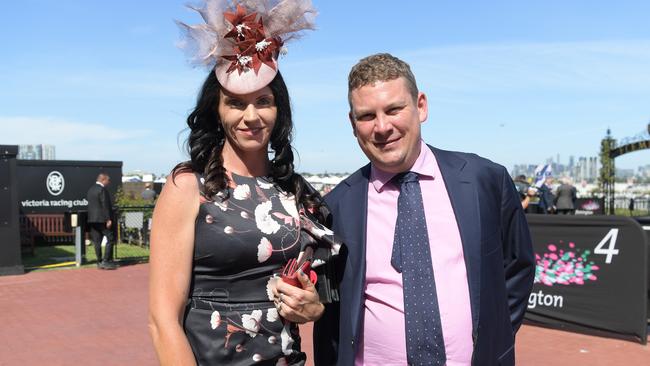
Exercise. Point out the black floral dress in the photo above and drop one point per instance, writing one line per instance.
(243, 237)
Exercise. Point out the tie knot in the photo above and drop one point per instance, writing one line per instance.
(407, 177)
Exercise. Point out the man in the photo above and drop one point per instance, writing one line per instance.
(546, 197)
(148, 194)
(565, 198)
(464, 266)
(100, 214)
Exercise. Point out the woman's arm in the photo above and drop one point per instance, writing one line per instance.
(170, 266)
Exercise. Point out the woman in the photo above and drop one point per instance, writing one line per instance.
(226, 222)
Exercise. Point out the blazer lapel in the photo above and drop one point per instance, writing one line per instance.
(462, 192)
(354, 209)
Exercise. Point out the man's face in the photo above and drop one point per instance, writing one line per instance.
(386, 122)
(106, 181)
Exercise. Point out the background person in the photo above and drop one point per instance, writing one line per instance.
(148, 194)
(565, 198)
(428, 232)
(100, 223)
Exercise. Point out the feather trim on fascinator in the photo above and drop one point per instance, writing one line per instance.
(242, 39)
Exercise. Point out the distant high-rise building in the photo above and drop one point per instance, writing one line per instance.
(592, 171)
(37, 152)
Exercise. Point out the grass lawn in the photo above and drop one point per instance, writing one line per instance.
(59, 254)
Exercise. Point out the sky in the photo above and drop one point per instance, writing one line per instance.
(513, 81)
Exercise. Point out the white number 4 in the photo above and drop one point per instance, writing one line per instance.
(610, 251)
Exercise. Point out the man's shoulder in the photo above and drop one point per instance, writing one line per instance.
(339, 191)
(467, 160)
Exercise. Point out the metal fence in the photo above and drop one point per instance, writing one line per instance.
(641, 205)
(133, 233)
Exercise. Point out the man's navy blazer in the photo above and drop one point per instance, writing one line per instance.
(496, 244)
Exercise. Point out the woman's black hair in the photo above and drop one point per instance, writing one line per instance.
(207, 137)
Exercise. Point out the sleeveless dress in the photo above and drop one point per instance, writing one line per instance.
(243, 237)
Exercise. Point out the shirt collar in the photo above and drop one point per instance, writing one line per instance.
(99, 183)
(425, 165)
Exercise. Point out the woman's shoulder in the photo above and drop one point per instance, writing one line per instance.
(184, 183)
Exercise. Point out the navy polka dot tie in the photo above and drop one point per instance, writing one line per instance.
(412, 257)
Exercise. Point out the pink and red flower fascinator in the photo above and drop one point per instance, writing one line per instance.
(241, 40)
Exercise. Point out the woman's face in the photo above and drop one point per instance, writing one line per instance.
(248, 119)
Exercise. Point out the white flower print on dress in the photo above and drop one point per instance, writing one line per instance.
(263, 184)
(257, 357)
(222, 205)
(269, 286)
(272, 315)
(264, 250)
(215, 320)
(251, 322)
(273, 339)
(289, 203)
(242, 192)
(264, 219)
(287, 340)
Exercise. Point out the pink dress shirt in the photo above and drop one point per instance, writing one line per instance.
(383, 340)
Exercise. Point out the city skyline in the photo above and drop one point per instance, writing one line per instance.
(509, 81)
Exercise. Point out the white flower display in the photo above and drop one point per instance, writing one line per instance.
(242, 192)
(264, 250)
(263, 184)
(272, 315)
(251, 322)
(287, 340)
(264, 219)
(215, 319)
(289, 203)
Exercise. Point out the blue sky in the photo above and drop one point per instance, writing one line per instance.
(514, 81)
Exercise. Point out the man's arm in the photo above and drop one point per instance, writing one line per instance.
(326, 336)
(518, 256)
(105, 204)
(326, 329)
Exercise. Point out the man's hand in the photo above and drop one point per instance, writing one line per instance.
(109, 223)
(299, 305)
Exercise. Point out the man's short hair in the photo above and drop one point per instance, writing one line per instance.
(380, 67)
(101, 176)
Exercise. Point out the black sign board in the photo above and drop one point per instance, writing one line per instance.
(57, 186)
(591, 275)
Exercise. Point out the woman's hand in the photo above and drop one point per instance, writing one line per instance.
(299, 305)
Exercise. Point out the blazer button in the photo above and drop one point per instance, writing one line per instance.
(352, 343)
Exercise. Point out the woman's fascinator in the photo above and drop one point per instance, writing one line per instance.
(242, 40)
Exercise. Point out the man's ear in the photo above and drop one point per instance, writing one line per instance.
(423, 107)
(351, 117)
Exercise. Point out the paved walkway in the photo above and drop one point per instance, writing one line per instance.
(92, 317)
